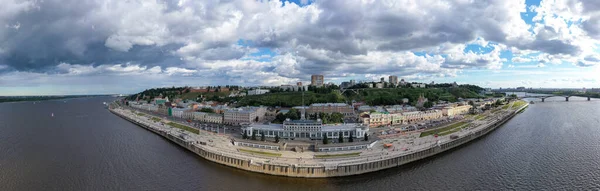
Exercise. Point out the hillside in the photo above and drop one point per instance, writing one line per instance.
(289, 99)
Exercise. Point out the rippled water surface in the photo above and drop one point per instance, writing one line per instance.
(553, 145)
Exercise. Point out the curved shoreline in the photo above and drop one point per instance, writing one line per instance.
(320, 170)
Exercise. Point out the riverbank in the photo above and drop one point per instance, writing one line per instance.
(222, 150)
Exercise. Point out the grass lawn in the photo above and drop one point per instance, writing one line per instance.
(449, 132)
(519, 104)
(140, 114)
(260, 152)
(505, 106)
(180, 126)
(338, 155)
(156, 119)
(479, 117)
(447, 128)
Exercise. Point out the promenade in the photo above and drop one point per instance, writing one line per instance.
(406, 148)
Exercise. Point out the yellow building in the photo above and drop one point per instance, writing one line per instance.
(451, 111)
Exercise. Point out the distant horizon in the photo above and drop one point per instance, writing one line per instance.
(111, 94)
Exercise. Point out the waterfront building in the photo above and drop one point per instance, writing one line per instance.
(316, 80)
(375, 119)
(159, 101)
(344, 109)
(378, 119)
(147, 107)
(393, 80)
(451, 111)
(379, 85)
(399, 108)
(405, 100)
(418, 116)
(298, 83)
(238, 116)
(402, 82)
(208, 117)
(311, 129)
(177, 112)
(257, 92)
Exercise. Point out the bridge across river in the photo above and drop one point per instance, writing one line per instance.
(543, 97)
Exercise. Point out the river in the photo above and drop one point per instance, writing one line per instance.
(553, 145)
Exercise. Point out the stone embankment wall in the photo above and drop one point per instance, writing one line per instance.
(320, 171)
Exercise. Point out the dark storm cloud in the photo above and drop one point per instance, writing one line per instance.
(62, 31)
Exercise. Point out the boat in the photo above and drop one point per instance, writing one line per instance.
(52, 115)
(531, 102)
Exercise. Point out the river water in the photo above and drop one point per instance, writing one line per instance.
(553, 145)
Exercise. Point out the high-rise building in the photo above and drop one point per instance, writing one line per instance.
(352, 82)
(382, 80)
(393, 80)
(316, 80)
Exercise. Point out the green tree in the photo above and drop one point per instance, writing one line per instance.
(245, 136)
(498, 102)
(336, 117)
(262, 136)
(279, 118)
(276, 138)
(325, 139)
(293, 114)
(253, 136)
(207, 110)
(366, 137)
(428, 104)
(341, 137)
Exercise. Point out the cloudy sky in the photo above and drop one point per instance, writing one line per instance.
(118, 46)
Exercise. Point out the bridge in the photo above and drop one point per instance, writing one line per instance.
(543, 97)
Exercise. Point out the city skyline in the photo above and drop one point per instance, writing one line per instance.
(106, 47)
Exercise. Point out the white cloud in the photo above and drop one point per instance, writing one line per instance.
(221, 40)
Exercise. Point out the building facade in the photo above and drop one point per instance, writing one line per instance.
(317, 80)
(257, 92)
(344, 109)
(208, 117)
(393, 80)
(243, 115)
(378, 119)
(452, 111)
(310, 129)
(419, 116)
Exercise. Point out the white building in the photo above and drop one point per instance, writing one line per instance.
(293, 88)
(238, 116)
(418, 85)
(257, 92)
(310, 129)
(208, 117)
(451, 111)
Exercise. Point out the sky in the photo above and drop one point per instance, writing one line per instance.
(58, 47)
